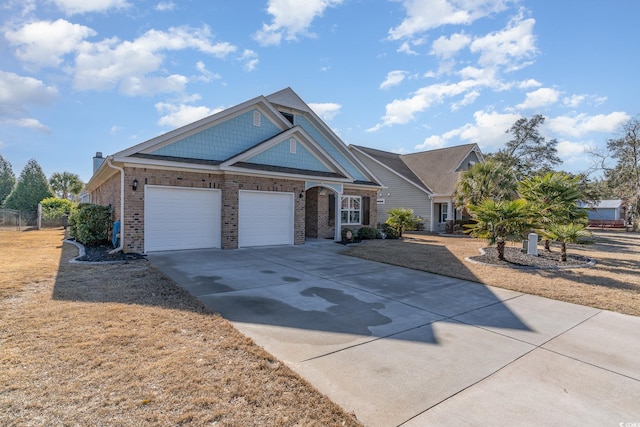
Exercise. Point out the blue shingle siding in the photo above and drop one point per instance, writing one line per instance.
(331, 149)
(223, 140)
(280, 155)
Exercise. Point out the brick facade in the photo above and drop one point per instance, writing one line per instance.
(311, 217)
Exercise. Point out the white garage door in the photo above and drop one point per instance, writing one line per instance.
(265, 218)
(181, 218)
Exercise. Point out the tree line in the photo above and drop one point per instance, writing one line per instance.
(32, 186)
(517, 189)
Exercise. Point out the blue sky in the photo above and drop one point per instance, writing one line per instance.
(81, 76)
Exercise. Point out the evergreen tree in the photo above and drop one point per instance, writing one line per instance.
(528, 153)
(624, 179)
(7, 179)
(31, 188)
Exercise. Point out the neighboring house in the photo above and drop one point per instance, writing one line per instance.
(268, 171)
(605, 212)
(423, 181)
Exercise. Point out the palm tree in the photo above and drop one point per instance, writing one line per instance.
(490, 179)
(500, 221)
(65, 184)
(554, 198)
(567, 233)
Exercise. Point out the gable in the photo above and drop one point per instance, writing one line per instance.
(318, 136)
(222, 140)
(290, 153)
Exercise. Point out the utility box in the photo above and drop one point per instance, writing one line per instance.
(532, 247)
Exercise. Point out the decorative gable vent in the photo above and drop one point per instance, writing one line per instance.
(292, 146)
(256, 118)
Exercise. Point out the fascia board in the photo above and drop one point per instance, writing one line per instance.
(427, 191)
(236, 170)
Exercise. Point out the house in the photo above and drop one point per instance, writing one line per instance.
(609, 213)
(268, 171)
(424, 181)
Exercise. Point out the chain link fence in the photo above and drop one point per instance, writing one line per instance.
(22, 220)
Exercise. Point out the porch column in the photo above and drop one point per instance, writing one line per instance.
(450, 215)
(337, 235)
(432, 219)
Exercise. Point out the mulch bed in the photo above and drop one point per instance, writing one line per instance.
(100, 253)
(515, 258)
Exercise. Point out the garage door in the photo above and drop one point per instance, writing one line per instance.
(265, 218)
(181, 218)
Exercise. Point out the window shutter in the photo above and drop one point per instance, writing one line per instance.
(332, 209)
(366, 208)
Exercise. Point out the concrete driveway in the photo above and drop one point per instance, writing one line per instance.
(403, 347)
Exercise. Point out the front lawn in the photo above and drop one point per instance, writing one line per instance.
(612, 284)
(121, 344)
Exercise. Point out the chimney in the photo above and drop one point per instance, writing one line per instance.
(97, 161)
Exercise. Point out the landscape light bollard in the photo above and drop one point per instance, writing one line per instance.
(533, 244)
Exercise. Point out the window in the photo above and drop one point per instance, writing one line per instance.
(443, 212)
(350, 210)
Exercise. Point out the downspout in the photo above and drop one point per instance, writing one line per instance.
(111, 165)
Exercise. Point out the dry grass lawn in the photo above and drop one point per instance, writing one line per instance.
(122, 345)
(612, 284)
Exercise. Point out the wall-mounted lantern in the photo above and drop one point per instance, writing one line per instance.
(135, 185)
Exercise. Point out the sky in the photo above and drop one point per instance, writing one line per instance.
(78, 76)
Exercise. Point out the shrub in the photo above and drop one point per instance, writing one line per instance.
(368, 233)
(54, 208)
(343, 233)
(90, 224)
(390, 232)
(402, 219)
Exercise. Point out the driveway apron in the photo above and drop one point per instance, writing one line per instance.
(403, 347)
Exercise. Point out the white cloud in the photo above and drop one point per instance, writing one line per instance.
(568, 149)
(401, 111)
(573, 100)
(206, 75)
(582, 124)
(432, 142)
(539, 98)
(30, 123)
(447, 47)
(250, 59)
(179, 115)
(71, 7)
(424, 15)
(528, 84)
(326, 110)
(17, 91)
(165, 6)
(44, 43)
(488, 131)
(291, 18)
(468, 99)
(507, 47)
(127, 64)
(394, 78)
(405, 47)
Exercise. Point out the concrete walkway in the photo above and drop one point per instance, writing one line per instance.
(403, 347)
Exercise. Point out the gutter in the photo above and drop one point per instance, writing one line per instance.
(111, 165)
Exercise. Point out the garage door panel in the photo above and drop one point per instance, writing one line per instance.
(265, 218)
(181, 218)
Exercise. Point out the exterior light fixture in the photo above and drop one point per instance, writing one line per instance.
(135, 185)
